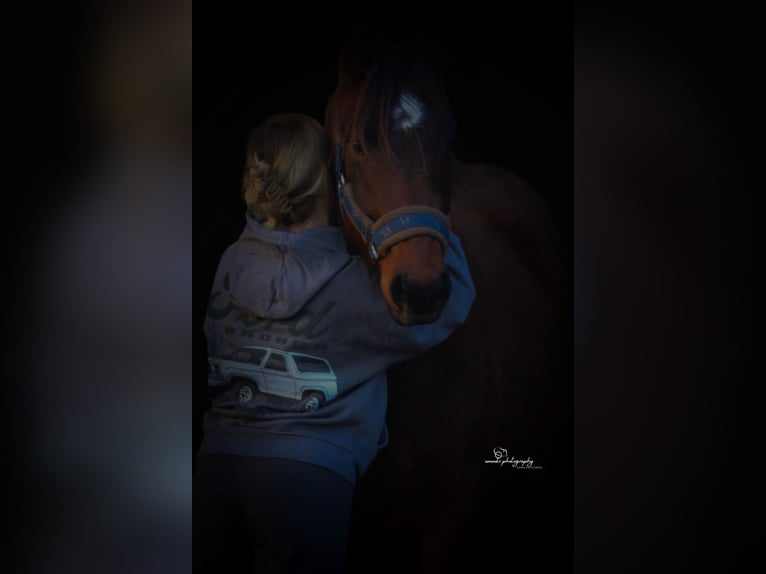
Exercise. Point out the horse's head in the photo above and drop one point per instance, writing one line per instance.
(392, 130)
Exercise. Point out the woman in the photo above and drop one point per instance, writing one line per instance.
(299, 339)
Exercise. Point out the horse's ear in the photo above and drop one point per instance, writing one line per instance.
(355, 61)
(349, 73)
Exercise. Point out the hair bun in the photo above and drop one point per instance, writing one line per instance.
(260, 172)
(285, 169)
(270, 187)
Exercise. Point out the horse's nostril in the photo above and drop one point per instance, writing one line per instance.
(399, 291)
(419, 298)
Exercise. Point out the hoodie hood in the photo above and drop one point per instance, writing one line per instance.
(291, 267)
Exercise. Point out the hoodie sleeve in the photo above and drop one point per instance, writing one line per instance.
(401, 343)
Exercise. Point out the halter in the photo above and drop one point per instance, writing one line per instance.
(395, 226)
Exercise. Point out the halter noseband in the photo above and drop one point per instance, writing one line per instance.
(395, 226)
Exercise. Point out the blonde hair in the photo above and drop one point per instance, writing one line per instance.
(285, 169)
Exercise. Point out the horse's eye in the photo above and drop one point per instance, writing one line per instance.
(357, 147)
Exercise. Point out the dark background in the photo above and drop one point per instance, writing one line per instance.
(669, 328)
(509, 80)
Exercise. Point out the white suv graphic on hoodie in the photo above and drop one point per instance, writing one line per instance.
(297, 376)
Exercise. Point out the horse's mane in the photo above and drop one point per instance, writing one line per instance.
(403, 112)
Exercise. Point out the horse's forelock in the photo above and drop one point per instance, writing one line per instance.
(402, 110)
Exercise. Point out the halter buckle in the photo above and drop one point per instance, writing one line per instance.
(373, 253)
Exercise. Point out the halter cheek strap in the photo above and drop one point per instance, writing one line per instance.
(395, 226)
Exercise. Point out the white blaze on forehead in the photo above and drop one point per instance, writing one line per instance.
(408, 113)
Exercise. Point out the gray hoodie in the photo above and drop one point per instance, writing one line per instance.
(299, 340)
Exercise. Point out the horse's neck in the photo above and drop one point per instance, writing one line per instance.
(508, 233)
(493, 195)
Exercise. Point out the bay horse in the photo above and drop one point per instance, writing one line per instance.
(430, 500)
